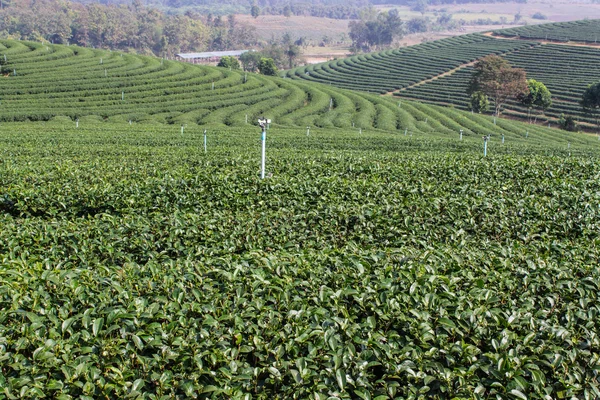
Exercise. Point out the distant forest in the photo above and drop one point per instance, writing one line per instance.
(337, 9)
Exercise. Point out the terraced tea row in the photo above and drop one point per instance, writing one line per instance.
(565, 70)
(54, 81)
(394, 69)
(587, 31)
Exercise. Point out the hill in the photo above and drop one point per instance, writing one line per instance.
(437, 72)
(44, 82)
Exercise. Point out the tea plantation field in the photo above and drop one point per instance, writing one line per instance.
(368, 266)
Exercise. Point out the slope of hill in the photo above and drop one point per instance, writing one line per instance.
(393, 69)
(437, 72)
(44, 82)
(565, 70)
(586, 31)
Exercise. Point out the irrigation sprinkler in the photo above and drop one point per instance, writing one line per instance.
(485, 142)
(461, 133)
(205, 141)
(263, 123)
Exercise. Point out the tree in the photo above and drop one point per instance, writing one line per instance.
(266, 66)
(567, 123)
(590, 102)
(536, 96)
(229, 62)
(292, 52)
(250, 60)
(479, 102)
(255, 11)
(497, 79)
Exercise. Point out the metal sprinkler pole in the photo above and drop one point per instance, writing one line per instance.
(205, 140)
(263, 138)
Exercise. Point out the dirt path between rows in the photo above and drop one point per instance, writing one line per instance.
(449, 72)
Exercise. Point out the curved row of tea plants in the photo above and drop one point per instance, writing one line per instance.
(59, 81)
(587, 31)
(373, 266)
(390, 70)
(565, 70)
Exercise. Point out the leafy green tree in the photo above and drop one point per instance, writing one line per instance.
(266, 66)
(255, 11)
(590, 102)
(567, 123)
(536, 96)
(479, 102)
(497, 79)
(250, 60)
(229, 62)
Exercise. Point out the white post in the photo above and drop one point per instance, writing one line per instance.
(129, 122)
(526, 134)
(100, 60)
(15, 72)
(461, 132)
(330, 103)
(123, 95)
(245, 77)
(485, 140)
(213, 86)
(205, 140)
(426, 119)
(246, 118)
(77, 123)
(182, 129)
(360, 131)
(105, 74)
(405, 131)
(494, 120)
(263, 138)
(503, 138)
(400, 104)
(307, 130)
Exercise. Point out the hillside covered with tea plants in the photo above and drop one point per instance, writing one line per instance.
(438, 72)
(383, 257)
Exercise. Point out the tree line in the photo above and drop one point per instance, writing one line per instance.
(130, 27)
